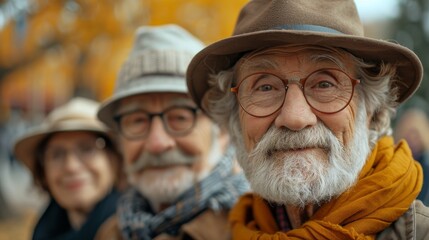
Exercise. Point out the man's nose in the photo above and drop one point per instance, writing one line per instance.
(295, 113)
(158, 140)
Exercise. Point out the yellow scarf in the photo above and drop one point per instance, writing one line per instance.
(387, 185)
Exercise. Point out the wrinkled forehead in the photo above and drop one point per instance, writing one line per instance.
(309, 54)
(147, 100)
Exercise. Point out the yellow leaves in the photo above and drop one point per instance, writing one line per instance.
(82, 43)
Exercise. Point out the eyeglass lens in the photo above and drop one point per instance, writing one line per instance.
(84, 151)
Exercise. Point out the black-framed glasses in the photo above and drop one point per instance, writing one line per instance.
(177, 121)
(85, 151)
(327, 90)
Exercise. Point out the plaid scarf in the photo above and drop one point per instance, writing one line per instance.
(218, 191)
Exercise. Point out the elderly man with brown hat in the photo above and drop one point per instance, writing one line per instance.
(308, 100)
(181, 168)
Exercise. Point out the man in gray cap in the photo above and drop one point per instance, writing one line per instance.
(182, 171)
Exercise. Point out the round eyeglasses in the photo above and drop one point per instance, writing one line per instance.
(327, 90)
(177, 121)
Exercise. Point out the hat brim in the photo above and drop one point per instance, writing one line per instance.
(25, 147)
(149, 84)
(224, 54)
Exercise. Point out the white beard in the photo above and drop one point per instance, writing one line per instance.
(165, 186)
(305, 178)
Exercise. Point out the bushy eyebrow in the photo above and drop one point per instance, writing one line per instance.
(265, 64)
(259, 65)
(327, 58)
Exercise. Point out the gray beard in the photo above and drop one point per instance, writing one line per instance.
(167, 186)
(300, 179)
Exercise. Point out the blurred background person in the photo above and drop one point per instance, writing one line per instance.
(52, 51)
(72, 156)
(412, 124)
(181, 166)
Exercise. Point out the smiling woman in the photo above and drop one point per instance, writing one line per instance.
(73, 158)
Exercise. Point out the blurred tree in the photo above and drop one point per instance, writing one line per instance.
(51, 50)
(411, 29)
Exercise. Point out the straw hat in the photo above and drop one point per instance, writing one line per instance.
(79, 114)
(157, 63)
(263, 23)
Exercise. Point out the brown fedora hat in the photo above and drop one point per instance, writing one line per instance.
(263, 23)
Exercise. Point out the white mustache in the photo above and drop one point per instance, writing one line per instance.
(284, 139)
(169, 158)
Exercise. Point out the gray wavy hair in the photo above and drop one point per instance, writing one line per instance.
(376, 90)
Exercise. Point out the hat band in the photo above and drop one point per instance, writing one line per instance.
(307, 27)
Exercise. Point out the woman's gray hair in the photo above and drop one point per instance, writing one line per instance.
(375, 90)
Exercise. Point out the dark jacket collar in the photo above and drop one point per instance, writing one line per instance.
(54, 223)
